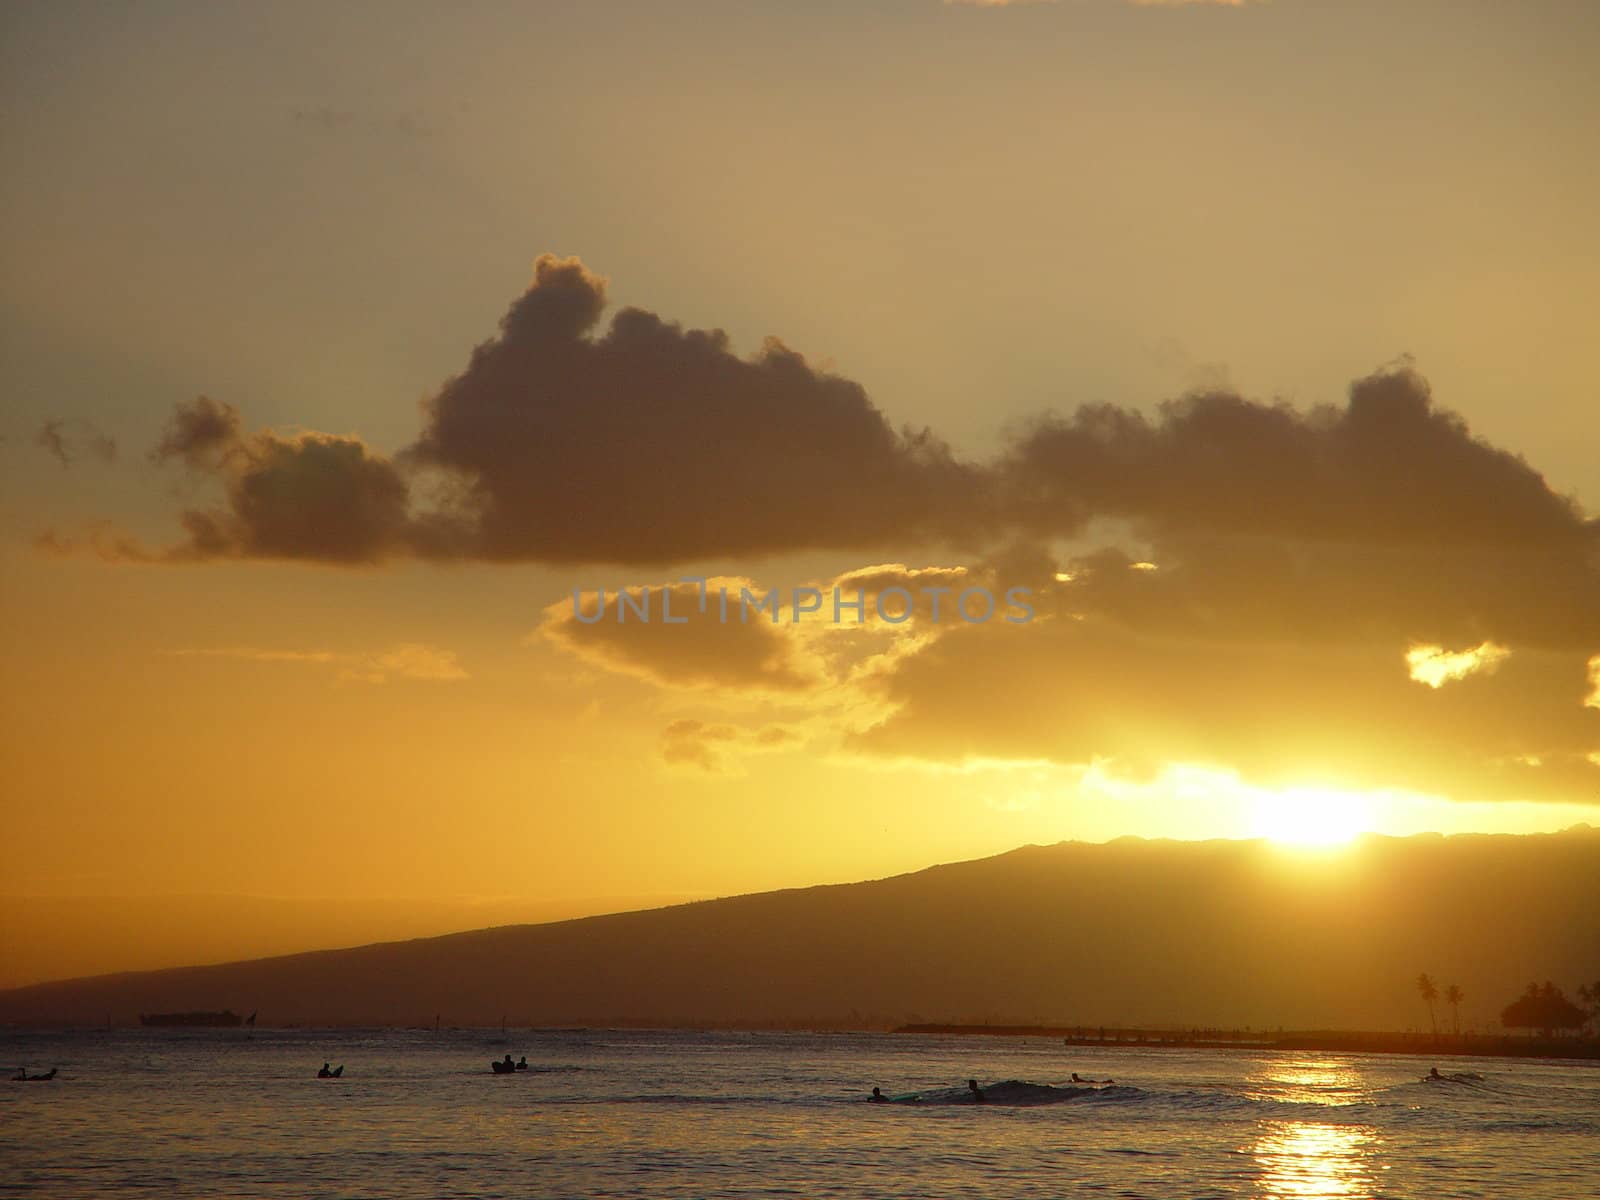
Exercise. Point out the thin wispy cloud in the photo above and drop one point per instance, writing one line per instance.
(717, 748)
(408, 660)
(68, 440)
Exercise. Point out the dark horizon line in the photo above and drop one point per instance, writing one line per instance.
(1394, 1043)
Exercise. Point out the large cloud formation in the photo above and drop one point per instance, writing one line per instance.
(1363, 592)
(1387, 468)
(644, 443)
(652, 443)
(1120, 685)
(1363, 596)
(648, 443)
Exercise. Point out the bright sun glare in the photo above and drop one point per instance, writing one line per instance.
(1312, 817)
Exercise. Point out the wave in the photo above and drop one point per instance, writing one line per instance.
(1467, 1083)
(1018, 1093)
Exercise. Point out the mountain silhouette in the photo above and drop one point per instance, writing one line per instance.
(1223, 933)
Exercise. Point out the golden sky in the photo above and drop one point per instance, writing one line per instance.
(341, 346)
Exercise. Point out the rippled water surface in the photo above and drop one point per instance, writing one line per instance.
(606, 1113)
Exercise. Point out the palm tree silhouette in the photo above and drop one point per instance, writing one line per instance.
(1429, 994)
(1453, 997)
(1591, 1000)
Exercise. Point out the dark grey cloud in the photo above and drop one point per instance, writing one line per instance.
(1386, 468)
(565, 439)
(560, 442)
(1263, 570)
(650, 443)
(313, 496)
(568, 440)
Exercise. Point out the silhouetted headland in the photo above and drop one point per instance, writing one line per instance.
(1137, 935)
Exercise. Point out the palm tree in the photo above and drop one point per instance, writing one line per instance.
(1591, 1002)
(1453, 997)
(1429, 994)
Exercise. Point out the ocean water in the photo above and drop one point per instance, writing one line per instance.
(606, 1113)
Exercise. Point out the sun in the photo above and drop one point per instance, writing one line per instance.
(1312, 817)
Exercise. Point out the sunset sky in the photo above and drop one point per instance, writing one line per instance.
(343, 343)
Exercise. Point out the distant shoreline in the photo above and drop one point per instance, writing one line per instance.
(1331, 1041)
(1413, 1045)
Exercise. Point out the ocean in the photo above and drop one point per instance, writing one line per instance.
(607, 1113)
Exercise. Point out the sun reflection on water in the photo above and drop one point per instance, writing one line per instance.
(1298, 1159)
(1307, 1158)
(1308, 1081)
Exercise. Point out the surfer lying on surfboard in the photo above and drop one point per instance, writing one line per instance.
(1433, 1076)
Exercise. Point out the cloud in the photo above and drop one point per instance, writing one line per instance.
(67, 440)
(754, 656)
(561, 442)
(1293, 661)
(101, 539)
(313, 496)
(201, 433)
(716, 748)
(650, 443)
(1077, 690)
(1388, 468)
(408, 661)
(1223, 580)
(1436, 666)
(1127, 670)
(746, 637)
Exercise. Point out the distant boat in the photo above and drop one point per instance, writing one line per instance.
(226, 1019)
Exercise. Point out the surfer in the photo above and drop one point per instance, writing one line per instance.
(1076, 1078)
(328, 1072)
(522, 1063)
(977, 1093)
(878, 1097)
